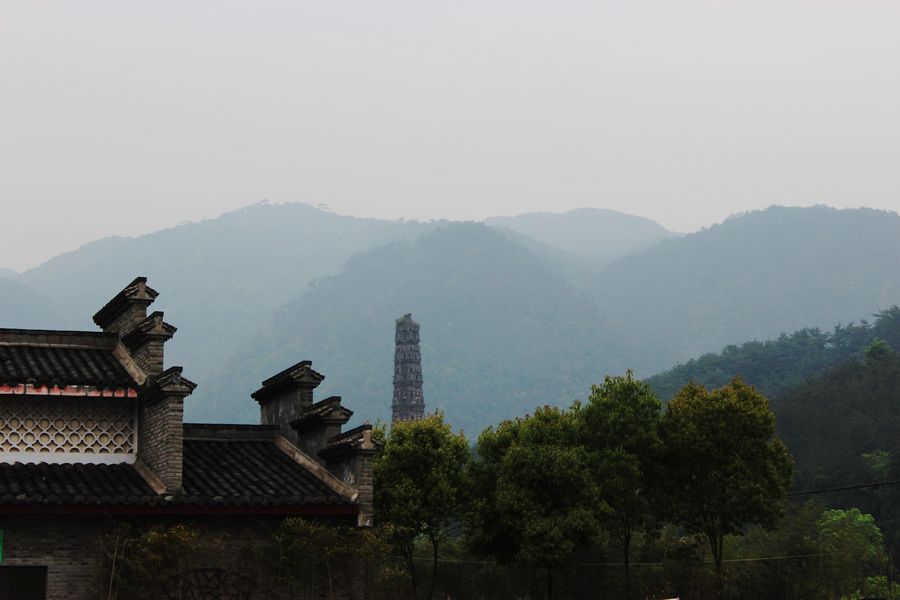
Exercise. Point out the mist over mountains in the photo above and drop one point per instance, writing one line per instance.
(515, 313)
(754, 276)
(22, 307)
(601, 235)
(219, 279)
(500, 329)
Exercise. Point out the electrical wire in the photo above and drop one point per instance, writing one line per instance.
(843, 488)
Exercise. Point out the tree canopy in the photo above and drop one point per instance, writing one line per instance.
(420, 483)
(536, 499)
(724, 467)
(619, 428)
(774, 366)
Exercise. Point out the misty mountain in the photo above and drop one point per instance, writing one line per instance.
(218, 279)
(598, 234)
(21, 307)
(502, 332)
(508, 321)
(753, 276)
(578, 270)
(774, 366)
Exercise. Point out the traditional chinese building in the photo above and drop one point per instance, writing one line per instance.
(91, 433)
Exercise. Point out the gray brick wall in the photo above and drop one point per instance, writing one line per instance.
(132, 315)
(161, 439)
(65, 545)
(149, 357)
(355, 469)
(282, 409)
(71, 549)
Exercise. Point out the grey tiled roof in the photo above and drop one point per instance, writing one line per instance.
(77, 484)
(216, 473)
(28, 357)
(250, 472)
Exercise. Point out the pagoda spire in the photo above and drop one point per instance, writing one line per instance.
(409, 401)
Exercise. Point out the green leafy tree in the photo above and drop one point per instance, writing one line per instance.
(878, 462)
(852, 552)
(536, 501)
(725, 469)
(878, 350)
(419, 485)
(619, 426)
(316, 555)
(787, 578)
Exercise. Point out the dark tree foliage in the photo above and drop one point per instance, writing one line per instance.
(842, 429)
(620, 430)
(536, 500)
(773, 366)
(832, 422)
(420, 486)
(724, 469)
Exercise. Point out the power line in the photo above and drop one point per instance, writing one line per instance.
(843, 488)
(634, 564)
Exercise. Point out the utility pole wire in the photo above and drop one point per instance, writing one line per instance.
(843, 488)
(640, 564)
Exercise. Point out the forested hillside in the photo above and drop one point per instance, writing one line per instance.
(841, 426)
(835, 398)
(753, 276)
(502, 332)
(775, 365)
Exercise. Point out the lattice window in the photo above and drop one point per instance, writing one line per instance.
(66, 429)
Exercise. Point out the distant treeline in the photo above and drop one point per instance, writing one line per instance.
(617, 498)
(836, 399)
(773, 366)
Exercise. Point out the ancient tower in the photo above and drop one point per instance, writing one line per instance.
(409, 402)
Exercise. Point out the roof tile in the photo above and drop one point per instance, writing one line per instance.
(62, 366)
(216, 473)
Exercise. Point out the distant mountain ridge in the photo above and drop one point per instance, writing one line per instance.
(501, 331)
(543, 322)
(753, 276)
(575, 347)
(600, 234)
(218, 279)
(22, 307)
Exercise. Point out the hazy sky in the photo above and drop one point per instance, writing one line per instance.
(125, 117)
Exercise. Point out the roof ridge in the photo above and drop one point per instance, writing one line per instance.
(49, 345)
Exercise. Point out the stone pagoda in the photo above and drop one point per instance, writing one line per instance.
(409, 402)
